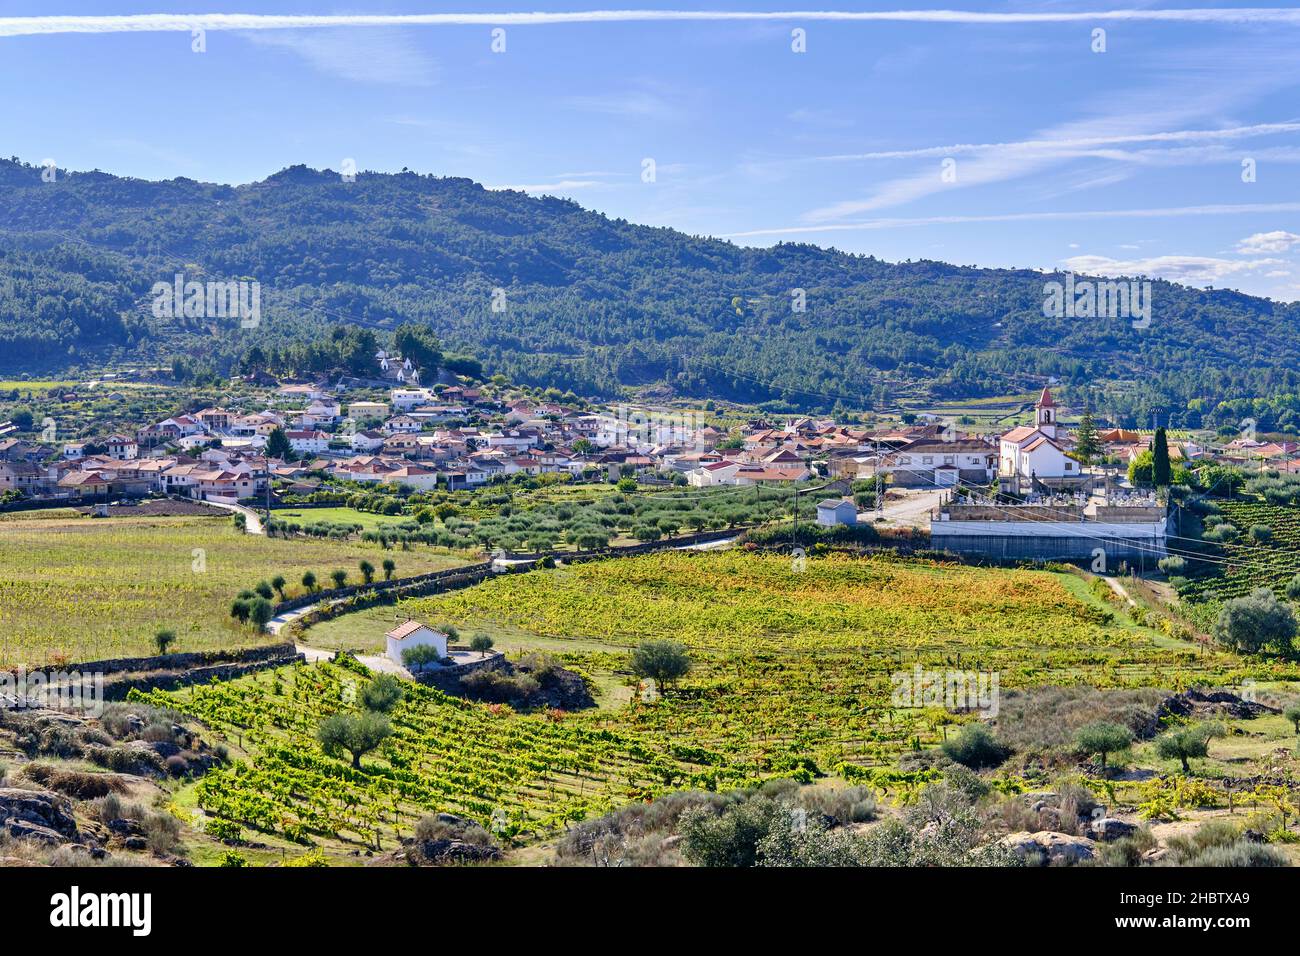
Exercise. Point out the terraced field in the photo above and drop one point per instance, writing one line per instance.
(82, 588)
(1251, 565)
(517, 774)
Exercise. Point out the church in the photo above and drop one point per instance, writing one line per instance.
(1037, 452)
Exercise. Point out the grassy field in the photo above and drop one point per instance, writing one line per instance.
(89, 588)
(36, 387)
(340, 515)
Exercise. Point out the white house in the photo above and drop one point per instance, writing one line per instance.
(367, 441)
(926, 462)
(402, 424)
(404, 399)
(414, 634)
(835, 511)
(308, 442)
(123, 448)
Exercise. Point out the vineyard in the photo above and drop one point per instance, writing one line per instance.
(517, 774)
(791, 676)
(84, 588)
(792, 668)
(1249, 564)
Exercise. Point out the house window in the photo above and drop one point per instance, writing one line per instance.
(947, 459)
(927, 460)
(1069, 466)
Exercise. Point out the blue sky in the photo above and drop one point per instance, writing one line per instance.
(1122, 162)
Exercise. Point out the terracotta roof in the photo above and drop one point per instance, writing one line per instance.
(406, 630)
(1045, 400)
(1019, 433)
(1038, 441)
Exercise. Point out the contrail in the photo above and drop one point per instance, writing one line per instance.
(1212, 210)
(166, 22)
(1051, 145)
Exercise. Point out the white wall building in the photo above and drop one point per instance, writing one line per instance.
(414, 634)
(836, 511)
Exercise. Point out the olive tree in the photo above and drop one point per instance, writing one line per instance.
(1103, 738)
(358, 734)
(660, 660)
(382, 694)
(1183, 743)
(1256, 622)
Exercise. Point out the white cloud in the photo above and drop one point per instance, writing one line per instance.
(364, 56)
(1187, 269)
(629, 103)
(1080, 143)
(1144, 117)
(564, 185)
(1224, 209)
(1263, 242)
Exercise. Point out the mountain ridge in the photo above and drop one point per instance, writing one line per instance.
(591, 303)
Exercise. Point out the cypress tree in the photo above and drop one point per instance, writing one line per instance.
(1160, 469)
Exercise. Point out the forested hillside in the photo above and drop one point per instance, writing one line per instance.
(590, 303)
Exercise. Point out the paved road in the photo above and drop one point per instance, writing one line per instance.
(288, 617)
(707, 545)
(253, 523)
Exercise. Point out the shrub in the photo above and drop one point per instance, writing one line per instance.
(1172, 565)
(382, 694)
(176, 765)
(1241, 853)
(1292, 713)
(1261, 533)
(975, 747)
(162, 832)
(77, 784)
(1255, 622)
(728, 839)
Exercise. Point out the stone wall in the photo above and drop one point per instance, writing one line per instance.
(181, 661)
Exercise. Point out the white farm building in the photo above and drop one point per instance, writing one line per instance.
(414, 634)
